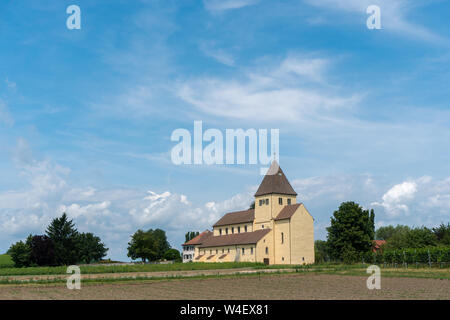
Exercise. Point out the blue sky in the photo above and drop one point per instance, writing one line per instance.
(86, 115)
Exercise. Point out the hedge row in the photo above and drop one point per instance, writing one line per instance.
(419, 255)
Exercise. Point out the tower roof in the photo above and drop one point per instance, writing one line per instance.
(275, 182)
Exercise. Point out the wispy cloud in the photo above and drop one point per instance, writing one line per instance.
(393, 16)
(221, 5)
(292, 90)
(5, 116)
(217, 54)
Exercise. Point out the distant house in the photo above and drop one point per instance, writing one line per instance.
(376, 245)
(189, 247)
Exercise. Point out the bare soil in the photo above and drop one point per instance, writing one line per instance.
(285, 287)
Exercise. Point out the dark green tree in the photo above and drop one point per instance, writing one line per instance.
(405, 237)
(252, 205)
(149, 245)
(173, 254)
(90, 248)
(190, 235)
(64, 235)
(321, 253)
(351, 231)
(442, 234)
(387, 232)
(20, 253)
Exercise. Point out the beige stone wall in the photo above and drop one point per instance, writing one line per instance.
(265, 213)
(302, 237)
(282, 241)
(266, 241)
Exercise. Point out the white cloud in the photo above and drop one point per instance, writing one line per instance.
(221, 5)
(395, 199)
(292, 91)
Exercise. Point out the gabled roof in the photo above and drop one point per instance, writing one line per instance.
(198, 239)
(236, 217)
(275, 182)
(287, 211)
(376, 244)
(234, 239)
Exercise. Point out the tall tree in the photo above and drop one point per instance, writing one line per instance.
(351, 231)
(90, 248)
(191, 235)
(64, 235)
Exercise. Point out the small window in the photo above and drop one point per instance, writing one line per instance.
(223, 250)
(210, 251)
(289, 201)
(303, 258)
(267, 201)
(226, 230)
(243, 251)
(262, 226)
(282, 258)
(220, 231)
(228, 250)
(245, 228)
(260, 202)
(282, 237)
(217, 251)
(239, 229)
(232, 229)
(267, 250)
(280, 201)
(251, 250)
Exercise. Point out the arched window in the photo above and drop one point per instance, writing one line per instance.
(267, 250)
(282, 237)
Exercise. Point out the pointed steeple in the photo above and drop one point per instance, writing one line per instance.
(275, 182)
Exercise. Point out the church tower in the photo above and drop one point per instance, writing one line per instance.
(274, 193)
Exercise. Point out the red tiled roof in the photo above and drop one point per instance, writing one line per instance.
(236, 218)
(378, 243)
(199, 239)
(287, 211)
(233, 239)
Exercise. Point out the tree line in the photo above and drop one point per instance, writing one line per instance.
(61, 244)
(352, 231)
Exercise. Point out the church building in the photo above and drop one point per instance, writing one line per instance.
(279, 230)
